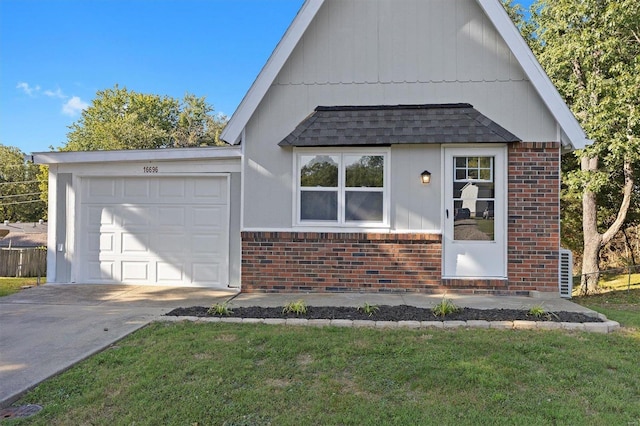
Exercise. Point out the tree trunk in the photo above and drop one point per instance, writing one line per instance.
(593, 240)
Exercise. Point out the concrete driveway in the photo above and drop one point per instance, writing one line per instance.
(45, 330)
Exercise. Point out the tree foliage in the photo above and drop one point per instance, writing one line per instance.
(20, 194)
(124, 119)
(591, 51)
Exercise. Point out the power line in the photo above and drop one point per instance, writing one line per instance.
(19, 181)
(20, 195)
(20, 202)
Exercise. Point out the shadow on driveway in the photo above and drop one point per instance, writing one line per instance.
(45, 330)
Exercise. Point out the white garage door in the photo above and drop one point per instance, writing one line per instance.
(160, 230)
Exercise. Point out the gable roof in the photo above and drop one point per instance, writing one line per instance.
(396, 124)
(572, 134)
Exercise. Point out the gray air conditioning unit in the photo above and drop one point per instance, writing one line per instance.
(566, 273)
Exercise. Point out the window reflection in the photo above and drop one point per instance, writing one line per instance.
(474, 199)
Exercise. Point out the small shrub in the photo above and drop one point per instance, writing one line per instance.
(220, 309)
(444, 308)
(299, 307)
(537, 311)
(368, 309)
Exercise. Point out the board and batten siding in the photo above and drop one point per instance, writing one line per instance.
(385, 52)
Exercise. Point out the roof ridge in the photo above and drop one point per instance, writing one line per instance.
(491, 125)
(392, 107)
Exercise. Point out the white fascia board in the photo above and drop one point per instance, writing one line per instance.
(233, 131)
(575, 135)
(166, 154)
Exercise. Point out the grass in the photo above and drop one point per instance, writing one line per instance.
(243, 374)
(13, 285)
(617, 300)
(622, 306)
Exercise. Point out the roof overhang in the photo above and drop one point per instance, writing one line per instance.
(571, 133)
(395, 125)
(167, 154)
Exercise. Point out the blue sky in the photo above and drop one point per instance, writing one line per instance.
(55, 55)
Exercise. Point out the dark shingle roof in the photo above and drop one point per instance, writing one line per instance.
(396, 124)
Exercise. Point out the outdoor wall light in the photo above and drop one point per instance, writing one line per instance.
(425, 177)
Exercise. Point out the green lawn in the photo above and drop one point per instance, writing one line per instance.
(622, 306)
(13, 285)
(232, 374)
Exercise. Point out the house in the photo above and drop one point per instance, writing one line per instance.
(347, 163)
(21, 249)
(23, 234)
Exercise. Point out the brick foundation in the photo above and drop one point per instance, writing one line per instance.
(348, 262)
(340, 262)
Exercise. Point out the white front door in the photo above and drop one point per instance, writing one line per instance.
(474, 238)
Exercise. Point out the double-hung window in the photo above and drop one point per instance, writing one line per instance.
(342, 188)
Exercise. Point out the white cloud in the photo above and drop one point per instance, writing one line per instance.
(27, 89)
(74, 106)
(57, 94)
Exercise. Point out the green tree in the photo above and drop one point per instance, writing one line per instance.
(591, 51)
(124, 119)
(196, 125)
(20, 195)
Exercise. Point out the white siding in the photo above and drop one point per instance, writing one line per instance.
(385, 52)
(415, 206)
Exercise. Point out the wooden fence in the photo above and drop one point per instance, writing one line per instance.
(23, 262)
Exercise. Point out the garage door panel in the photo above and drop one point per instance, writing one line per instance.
(205, 272)
(172, 188)
(136, 188)
(207, 244)
(171, 216)
(130, 216)
(169, 272)
(208, 217)
(101, 271)
(102, 188)
(101, 242)
(134, 243)
(166, 243)
(100, 216)
(155, 230)
(212, 193)
(133, 271)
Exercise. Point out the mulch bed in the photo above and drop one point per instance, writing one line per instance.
(391, 313)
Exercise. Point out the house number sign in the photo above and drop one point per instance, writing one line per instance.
(150, 169)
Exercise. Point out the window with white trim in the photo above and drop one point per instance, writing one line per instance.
(344, 188)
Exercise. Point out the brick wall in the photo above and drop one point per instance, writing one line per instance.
(534, 216)
(340, 262)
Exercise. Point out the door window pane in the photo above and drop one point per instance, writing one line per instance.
(473, 199)
(473, 168)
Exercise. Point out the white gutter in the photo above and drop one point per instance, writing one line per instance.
(166, 154)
